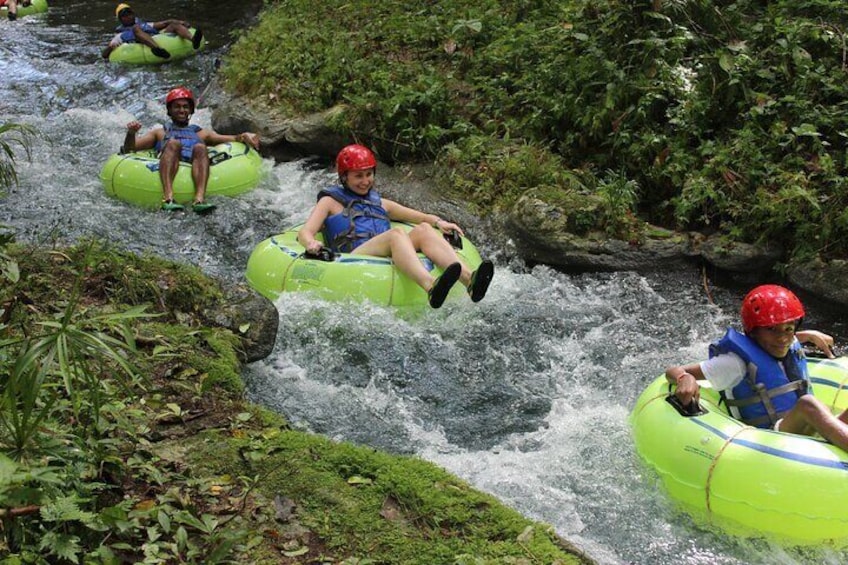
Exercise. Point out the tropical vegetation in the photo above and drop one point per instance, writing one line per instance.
(724, 117)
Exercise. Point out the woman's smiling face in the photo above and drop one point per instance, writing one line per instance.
(360, 182)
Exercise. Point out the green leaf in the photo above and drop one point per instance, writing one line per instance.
(806, 130)
(164, 521)
(182, 538)
(11, 271)
(243, 328)
(726, 62)
(61, 545)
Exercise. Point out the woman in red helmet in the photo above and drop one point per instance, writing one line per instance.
(355, 219)
(180, 141)
(762, 373)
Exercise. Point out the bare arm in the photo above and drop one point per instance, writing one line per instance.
(686, 378)
(306, 235)
(821, 340)
(404, 214)
(211, 137)
(146, 141)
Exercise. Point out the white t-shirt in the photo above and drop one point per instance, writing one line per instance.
(724, 371)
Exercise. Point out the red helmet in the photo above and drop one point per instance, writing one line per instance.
(355, 158)
(769, 305)
(180, 93)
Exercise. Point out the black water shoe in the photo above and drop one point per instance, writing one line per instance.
(197, 38)
(440, 289)
(159, 52)
(480, 280)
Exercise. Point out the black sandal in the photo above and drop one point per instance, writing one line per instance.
(440, 289)
(480, 280)
(161, 53)
(196, 39)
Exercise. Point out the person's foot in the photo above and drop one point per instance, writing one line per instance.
(480, 280)
(197, 38)
(171, 206)
(12, 16)
(203, 207)
(439, 291)
(159, 52)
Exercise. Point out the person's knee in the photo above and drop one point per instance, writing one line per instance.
(199, 151)
(172, 146)
(423, 229)
(809, 405)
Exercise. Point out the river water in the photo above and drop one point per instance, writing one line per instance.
(526, 395)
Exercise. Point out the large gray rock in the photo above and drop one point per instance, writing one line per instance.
(284, 138)
(541, 235)
(826, 280)
(723, 253)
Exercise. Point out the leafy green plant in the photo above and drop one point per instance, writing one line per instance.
(12, 135)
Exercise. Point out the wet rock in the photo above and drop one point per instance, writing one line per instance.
(723, 253)
(250, 316)
(284, 138)
(541, 234)
(826, 280)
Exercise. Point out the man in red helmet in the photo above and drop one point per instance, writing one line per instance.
(132, 29)
(762, 374)
(355, 219)
(180, 141)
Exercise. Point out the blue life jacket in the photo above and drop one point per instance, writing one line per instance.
(362, 218)
(187, 136)
(771, 386)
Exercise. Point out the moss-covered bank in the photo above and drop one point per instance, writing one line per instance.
(125, 438)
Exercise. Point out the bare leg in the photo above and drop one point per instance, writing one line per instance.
(169, 164)
(144, 37)
(199, 171)
(431, 243)
(178, 29)
(810, 415)
(396, 244)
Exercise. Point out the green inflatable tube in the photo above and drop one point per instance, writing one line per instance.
(134, 177)
(748, 481)
(36, 7)
(140, 54)
(279, 265)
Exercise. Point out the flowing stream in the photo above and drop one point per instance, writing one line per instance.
(525, 395)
